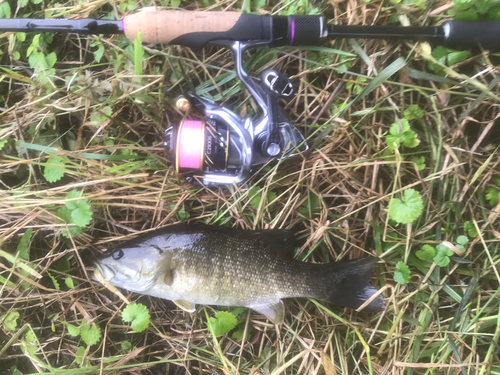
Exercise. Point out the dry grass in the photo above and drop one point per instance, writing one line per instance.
(444, 321)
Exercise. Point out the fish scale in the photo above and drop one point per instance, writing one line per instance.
(201, 264)
(231, 272)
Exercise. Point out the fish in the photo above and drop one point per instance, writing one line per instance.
(192, 264)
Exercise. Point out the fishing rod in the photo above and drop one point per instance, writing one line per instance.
(212, 144)
(196, 28)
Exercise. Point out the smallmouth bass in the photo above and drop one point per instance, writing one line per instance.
(210, 265)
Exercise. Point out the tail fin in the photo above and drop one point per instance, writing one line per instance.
(352, 289)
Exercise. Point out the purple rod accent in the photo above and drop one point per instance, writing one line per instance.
(293, 30)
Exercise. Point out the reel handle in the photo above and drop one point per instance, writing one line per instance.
(196, 28)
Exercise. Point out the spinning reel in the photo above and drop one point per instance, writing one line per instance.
(213, 145)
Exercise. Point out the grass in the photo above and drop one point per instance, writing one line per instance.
(102, 108)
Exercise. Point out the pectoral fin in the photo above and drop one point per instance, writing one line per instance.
(274, 311)
(165, 268)
(185, 305)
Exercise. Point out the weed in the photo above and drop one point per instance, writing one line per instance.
(138, 315)
(407, 209)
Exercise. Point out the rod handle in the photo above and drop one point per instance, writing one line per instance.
(194, 28)
(483, 34)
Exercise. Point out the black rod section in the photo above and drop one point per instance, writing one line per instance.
(387, 32)
(81, 26)
(455, 34)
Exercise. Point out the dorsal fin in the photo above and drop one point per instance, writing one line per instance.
(278, 238)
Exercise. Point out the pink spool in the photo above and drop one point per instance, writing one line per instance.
(190, 144)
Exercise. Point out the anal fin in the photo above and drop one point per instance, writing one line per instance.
(185, 305)
(274, 311)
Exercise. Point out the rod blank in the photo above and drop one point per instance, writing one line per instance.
(81, 26)
(386, 32)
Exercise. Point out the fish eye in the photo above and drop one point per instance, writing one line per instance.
(118, 254)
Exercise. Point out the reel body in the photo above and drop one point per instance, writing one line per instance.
(213, 145)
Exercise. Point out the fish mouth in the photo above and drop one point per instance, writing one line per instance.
(106, 271)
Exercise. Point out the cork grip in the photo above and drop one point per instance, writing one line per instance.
(169, 25)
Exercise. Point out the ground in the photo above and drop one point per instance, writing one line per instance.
(403, 164)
